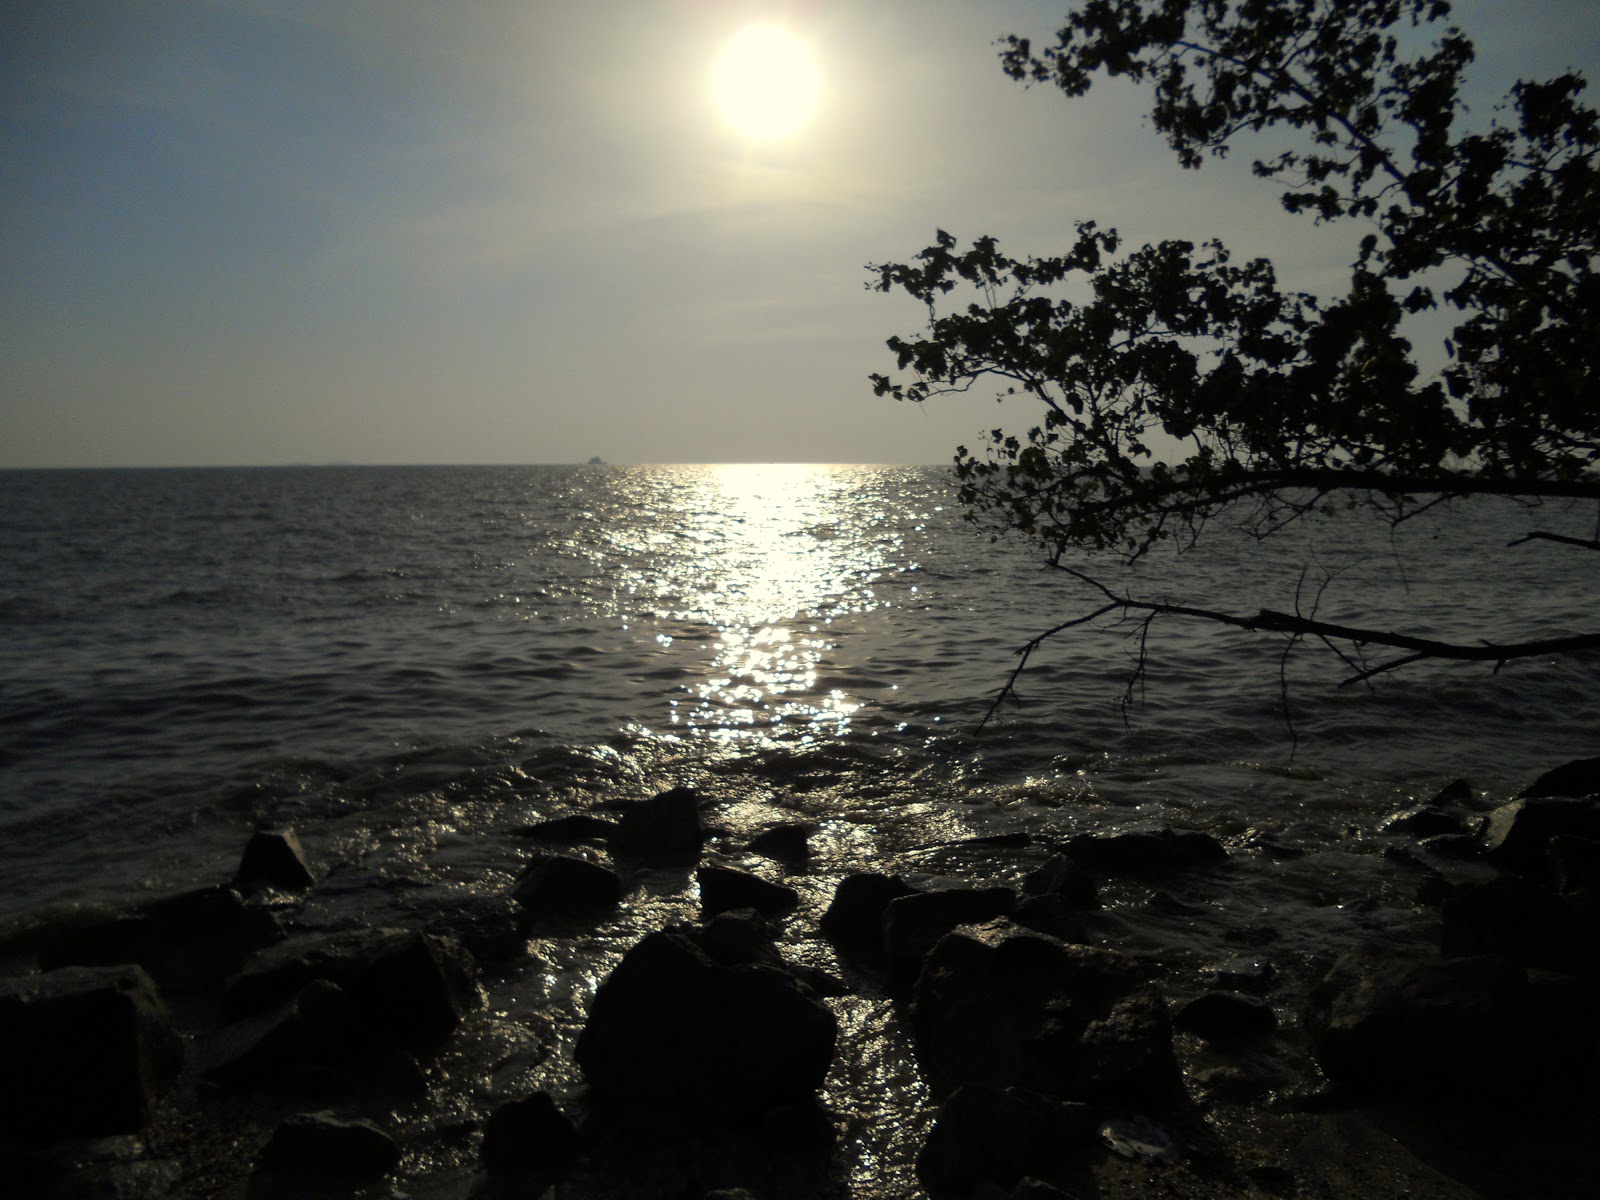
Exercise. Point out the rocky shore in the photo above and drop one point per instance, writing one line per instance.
(253, 1039)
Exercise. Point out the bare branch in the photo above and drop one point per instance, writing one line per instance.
(1538, 536)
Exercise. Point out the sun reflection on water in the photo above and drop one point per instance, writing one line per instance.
(767, 561)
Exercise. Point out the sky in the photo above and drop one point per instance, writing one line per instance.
(242, 232)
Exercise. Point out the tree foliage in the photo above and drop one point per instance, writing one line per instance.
(1286, 402)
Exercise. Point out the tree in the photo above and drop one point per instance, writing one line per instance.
(1282, 403)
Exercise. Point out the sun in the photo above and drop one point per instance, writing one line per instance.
(765, 83)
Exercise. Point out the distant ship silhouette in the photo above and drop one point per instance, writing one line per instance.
(597, 461)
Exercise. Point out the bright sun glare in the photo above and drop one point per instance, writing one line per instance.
(765, 83)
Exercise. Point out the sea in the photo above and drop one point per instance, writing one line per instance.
(404, 663)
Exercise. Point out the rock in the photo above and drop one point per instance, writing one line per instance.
(1060, 876)
(493, 929)
(560, 885)
(788, 843)
(1455, 794)
(1523, 922)
(575, 827)
(83, 1052)
(1383, 1020)
(999, 1136)
(1053, 914)
(674, 1031)
(1004, 1006)
(323, 1144)
(1575, 865)
(1157, 851)
(913, 925)
(274, 857)
(666, 826)
(1580, 777)
(314, 1027)
(1517, 835)
(722, 889)
(1424, 820)
(189, 942)
(1457, 846)
(1244, 975)
(530, 1135)
(408, 989)
(855, 917)
(1218, 1016)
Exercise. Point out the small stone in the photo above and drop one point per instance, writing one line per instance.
(530, 1135)
(1424, 820)
(322, 1143)
(575, 827)
(666, 826)
(787, 843)
(1060, 876)
(560, 885)
(722, 889)
(275, 858)
(855, 916)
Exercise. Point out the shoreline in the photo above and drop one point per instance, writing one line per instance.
(1244, 1094)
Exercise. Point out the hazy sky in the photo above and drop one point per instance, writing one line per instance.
(266, 231)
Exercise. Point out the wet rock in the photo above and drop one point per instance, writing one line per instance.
(83, 1052)
(1158, 851)
(1382, 1020)
(1061, 876)
(1455, 794)
(788, 843)
(560, 885)
(1053, 914)
(1004, 1006)
(314, 1027)
(530, 1135)
(324, 1144)
(1424, 820)
(1580, 777)
(1456, 846)
(913, 925)
(493, 929)
(1000, 1136)
(723, 889)
(855, 917)
(1127, 1057)
(189, 942)
(666, 826)
(408, 988)
(1523, 922)
(1517, 835)
(1218, 1016)
(738, 937)
(674, 1031)
(575, 827)
(1244, 975)
(275, 858)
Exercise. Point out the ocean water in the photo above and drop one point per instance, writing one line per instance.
(405, 662)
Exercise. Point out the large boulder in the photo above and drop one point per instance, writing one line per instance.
(1000, 1136)
(1580, 777)
(1004, 1006)
(1147, 852)
(1522, 921)
(188, 942)
(1518, 835)
(531, 1135)
(315, 1027)
(407, 988)
(913, 925)
(83, 1052)
(321, 1144)
(665, 827)
(561, 885)
(854, 919)
(675, 1031)
(1383, 1020)
(723, 889)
